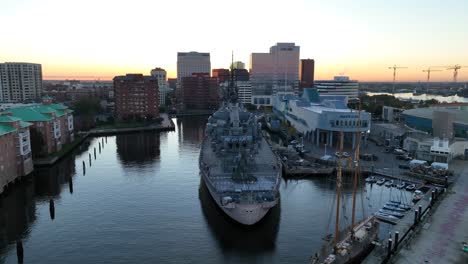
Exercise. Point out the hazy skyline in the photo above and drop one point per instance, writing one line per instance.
(101, 39)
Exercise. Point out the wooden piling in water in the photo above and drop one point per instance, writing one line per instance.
(84, 168)
(19, 251)
(397, 234)
(94, 152)
(52, 209)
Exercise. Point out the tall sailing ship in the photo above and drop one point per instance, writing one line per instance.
(354, 243)
(236, 163)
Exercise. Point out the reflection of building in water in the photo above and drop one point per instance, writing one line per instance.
(18, 206)
(17, 212)
(235, 238)
(138, 147)
(192, 129)
(50, 181)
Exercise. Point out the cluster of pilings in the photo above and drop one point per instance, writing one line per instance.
(392, 244)
(19, 243)
(100, 147)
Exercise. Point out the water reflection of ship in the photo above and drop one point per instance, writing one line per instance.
(237, 238)
(138, 148)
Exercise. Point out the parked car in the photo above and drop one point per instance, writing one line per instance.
(404, 166)
(368, 157)
(403, 157)
(398, 151)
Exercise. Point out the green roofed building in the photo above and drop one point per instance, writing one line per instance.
(15, 149)
(52, 125)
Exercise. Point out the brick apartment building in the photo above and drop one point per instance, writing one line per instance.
(136, 95)
(15, 150)
(200, 91)
(52, 126)
(223, 75)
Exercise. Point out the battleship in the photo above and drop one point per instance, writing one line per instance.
(236, 163)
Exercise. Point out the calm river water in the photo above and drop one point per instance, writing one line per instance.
(142, 201)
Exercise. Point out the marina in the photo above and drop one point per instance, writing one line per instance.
(147, 185)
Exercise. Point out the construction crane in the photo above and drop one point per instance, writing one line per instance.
(394, 68)
(455, 69)
(429, 70)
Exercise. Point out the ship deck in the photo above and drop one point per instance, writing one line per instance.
(266, 170)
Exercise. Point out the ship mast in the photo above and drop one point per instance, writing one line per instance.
(338, 190)
(356, 164)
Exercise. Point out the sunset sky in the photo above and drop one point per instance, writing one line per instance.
(92, 39)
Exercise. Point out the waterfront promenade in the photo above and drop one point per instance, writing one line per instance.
(446, 228)
(165, 125)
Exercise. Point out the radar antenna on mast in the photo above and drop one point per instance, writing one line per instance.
(232, 88)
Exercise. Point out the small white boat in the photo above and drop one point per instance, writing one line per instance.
(389, 183)
(381, 181)
(417, 195)
(410, 187)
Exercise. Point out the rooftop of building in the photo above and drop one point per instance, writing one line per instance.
(312, 101)
(460, 116)
(29, 63)
(135, 77)
(5, 129)
(396, 128)
(35, 113)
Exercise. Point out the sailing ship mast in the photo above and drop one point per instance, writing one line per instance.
(356, 164)
(338, 191)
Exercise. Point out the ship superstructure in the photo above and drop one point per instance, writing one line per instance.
(237, 165)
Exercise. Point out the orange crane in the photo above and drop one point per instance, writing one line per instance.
(429, 70)
(455, 69)
(394, 68)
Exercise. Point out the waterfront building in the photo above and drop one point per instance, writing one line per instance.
(20, 82)
(426, 147)
(389, 134)
(200, 91)
(306, 73)
(161, 75)
(321, 118)
(391, 114)
(192, 62)
(52, 125)
(223, 75)
(15, 149)
(340, 85)
(136, 96)
(276, 71)
(444, 120)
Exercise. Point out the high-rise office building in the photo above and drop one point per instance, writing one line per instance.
(200, 91)
(20, 82)
(161, 75)
(276, 71)
(306, 73)
(192, 62)
(189, 63)
(136, 95)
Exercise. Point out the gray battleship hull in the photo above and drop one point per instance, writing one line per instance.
(246, 214)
